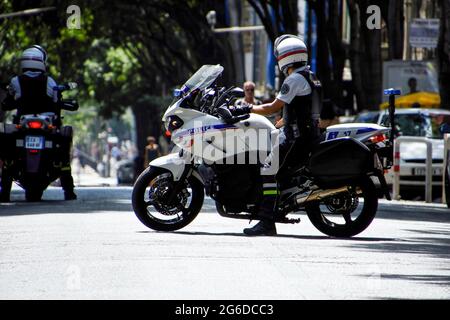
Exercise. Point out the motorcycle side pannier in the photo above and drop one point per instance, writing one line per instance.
(340, 160)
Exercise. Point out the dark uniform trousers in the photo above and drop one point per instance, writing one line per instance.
(275, 167)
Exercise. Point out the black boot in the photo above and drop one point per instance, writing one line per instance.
(5, 187)
(4, 197)
(70, 195)
(67, 184)
(266, 227)
(262, 228)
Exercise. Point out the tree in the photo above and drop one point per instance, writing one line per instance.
(395, 24)
(47, 29)
(167, 40)
(365, 57)
(331, 51)
(277, 16)
(124, 55)
(280, 17)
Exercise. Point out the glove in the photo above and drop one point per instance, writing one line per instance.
(244, 108)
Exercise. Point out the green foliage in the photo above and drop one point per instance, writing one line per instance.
(124, 55)
(111, 78)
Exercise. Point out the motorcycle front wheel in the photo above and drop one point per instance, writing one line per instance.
(156, 205)
(346, 214)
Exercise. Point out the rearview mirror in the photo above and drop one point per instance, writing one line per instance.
(237, 92)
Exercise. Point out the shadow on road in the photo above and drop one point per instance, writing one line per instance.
(97, 199)
(90, 200)
(437, 246)
(440, 280)
(240, 234)
(412, 212)
(61, 207)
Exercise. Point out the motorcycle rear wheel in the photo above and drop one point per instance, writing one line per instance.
(354, 222)
(164, 217)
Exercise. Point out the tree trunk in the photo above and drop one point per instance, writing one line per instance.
(355, 54)
(365, 57)
(443, 54)
(323, 52)
(148, 123)
(371, 64)
(337, 50)
(395, 26)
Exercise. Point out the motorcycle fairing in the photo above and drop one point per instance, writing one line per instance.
(175, 164)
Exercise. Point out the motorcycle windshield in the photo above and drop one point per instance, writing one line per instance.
(202, 79)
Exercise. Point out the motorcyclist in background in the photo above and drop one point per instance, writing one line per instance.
(300, 98)
(32, 93)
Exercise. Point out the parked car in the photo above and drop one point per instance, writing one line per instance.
(367, 117)
(415, 122)
(125, 172)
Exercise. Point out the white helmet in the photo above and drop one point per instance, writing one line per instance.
(289, 49)
(34, 58)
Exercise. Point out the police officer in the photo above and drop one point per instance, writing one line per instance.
(300, 99)
(31, 93)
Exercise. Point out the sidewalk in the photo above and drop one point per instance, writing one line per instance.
(88, 177)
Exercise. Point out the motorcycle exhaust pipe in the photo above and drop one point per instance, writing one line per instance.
(319, 195)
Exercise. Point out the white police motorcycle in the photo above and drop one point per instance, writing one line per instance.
(216, 153)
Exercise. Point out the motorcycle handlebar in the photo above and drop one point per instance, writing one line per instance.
(241, 117)
(65, 86)
(226, 115)
(70, 105)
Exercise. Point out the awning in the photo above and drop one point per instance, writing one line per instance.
(418, 99)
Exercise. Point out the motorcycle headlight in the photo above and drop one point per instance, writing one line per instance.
(174, 123)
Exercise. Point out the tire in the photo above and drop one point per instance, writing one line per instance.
(150, 219)
(33, 195)
(319, 218)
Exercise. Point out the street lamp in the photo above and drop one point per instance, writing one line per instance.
(27, 12)
(212, 20)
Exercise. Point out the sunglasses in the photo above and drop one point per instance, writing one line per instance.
(249, 89)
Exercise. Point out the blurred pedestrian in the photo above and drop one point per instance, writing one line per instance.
(412, 84)
(116, 153)
(152, 151)
(249, 98)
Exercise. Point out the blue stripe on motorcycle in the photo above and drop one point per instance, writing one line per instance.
(365, 130)
(207, 128)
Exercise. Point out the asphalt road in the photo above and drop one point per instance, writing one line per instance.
(95, 248)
